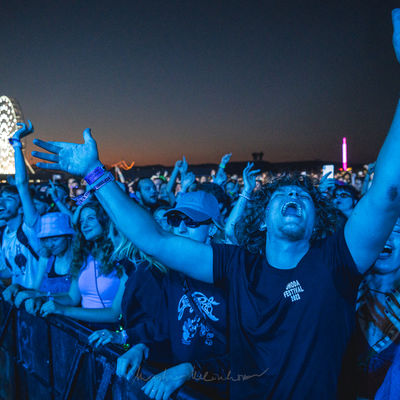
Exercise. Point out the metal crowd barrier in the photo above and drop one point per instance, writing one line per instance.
(50, 359)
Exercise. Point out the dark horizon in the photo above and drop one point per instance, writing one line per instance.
(156, 81)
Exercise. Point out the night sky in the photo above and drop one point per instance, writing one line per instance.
(159, 79)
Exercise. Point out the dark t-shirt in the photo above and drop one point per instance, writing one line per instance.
(143, 305)
(288, 328)
(191, 336)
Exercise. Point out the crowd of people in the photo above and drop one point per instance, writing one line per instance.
(265, 285)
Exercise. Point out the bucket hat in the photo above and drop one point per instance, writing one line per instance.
(55, 224)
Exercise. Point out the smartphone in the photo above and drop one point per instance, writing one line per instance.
(328, 168)
(56, 177)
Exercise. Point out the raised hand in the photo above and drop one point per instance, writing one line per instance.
(371, 168)
(225, 159)
(162, 385)
(188, 180)
(249, 179)
(76, 159)
(25, 130)
(52, 191)
(221, 177)
(326, 183)
(178, 164)
(182, 166)
(396, 32)
(128, 363)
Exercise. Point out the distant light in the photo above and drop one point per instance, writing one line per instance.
(344, 154)
(10, 114)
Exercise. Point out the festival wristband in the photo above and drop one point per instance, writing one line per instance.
(222, 166)
(105, 178)
(95, 174)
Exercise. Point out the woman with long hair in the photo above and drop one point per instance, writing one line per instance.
(98, 281)
(142, 298)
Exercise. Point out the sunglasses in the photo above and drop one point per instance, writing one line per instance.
(341, 195)
(175, 220)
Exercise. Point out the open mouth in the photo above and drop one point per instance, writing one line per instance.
(386, 252)
(291, 209)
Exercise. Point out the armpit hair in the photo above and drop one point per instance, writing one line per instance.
(393, 193)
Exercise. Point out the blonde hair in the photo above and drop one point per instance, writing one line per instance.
(125, 249)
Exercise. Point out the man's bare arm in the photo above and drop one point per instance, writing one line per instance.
(178, 253)
(373, 218)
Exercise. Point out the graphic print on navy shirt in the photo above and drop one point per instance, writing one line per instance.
(196, 331)
(192, 324)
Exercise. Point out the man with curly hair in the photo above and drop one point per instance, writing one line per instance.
(250, 228)
(291, 312)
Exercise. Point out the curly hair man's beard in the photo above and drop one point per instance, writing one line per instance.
(293, 232)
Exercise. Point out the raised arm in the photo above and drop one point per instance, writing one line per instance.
(220, 178)
(249, 178)
(52, 191)
(178, 253)
(373, 218)
(172, 180)
(21, 177)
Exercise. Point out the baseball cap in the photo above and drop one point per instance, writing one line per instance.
(199, 206)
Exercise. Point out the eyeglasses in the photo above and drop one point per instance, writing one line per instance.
(342, 195)
(175, 220)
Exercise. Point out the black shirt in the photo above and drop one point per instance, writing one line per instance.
(288, 328)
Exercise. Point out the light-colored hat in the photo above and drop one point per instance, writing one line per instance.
(55, 224)
(199, 206)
